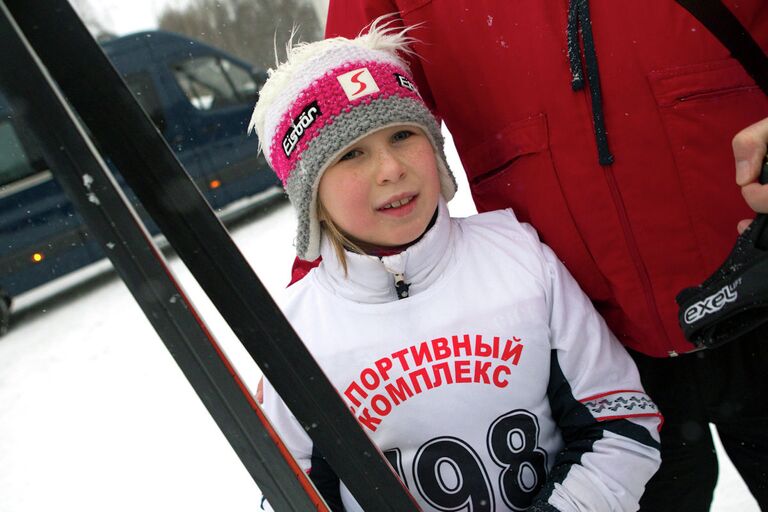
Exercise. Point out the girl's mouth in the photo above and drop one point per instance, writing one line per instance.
(398, 203)
(399, 207)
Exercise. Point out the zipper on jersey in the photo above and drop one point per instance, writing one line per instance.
(401, 287)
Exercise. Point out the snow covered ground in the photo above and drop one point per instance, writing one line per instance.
(95, 415)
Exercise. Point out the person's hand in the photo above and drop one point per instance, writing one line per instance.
(749, 148)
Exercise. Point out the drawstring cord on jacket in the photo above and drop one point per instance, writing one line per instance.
(579, 22)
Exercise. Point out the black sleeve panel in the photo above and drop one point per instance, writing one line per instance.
(577, 423)
(580, 430)
(326, 481)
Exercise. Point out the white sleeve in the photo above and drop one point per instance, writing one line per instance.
(609, 425)
(301, 447)
(287, 426)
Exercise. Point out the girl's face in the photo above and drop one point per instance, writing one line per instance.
(384, 189)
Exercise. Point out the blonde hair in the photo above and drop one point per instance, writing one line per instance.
(340, 242)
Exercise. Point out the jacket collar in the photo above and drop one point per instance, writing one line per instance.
(371, 279)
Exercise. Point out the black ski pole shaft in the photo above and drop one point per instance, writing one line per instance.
(83, 175)
(128, 137)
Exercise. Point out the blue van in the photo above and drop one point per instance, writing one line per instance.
(200, 98)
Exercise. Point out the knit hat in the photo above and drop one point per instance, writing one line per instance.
(328, 95)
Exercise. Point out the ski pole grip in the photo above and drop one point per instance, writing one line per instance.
(734, 299)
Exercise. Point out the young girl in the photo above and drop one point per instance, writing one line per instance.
(466, 351)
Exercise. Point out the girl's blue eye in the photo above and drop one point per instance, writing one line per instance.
(349, 155)
(401, 135)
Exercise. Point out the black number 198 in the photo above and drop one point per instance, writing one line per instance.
(450, 476)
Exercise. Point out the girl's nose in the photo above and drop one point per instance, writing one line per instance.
(389, 168)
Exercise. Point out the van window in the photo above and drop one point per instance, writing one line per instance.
(14, 163)
(212, 83)
(145, 93)
(241, 79)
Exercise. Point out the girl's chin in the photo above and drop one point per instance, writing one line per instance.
(400, 241)
(405, 239)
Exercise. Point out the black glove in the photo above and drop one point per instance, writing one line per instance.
(734, 300)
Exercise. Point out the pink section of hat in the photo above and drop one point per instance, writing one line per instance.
(326, 98)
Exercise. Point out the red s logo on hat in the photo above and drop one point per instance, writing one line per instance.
(358, 83)
(355, 80)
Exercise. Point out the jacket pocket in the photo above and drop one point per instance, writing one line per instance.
(702, 106)
(523, 138)
(513, 169)
(699, 82)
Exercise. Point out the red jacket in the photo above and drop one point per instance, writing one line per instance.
(660, 218)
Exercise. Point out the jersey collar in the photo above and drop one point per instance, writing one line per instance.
(370, 279)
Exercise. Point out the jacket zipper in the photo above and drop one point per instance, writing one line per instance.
(401, 287)
(645, 280)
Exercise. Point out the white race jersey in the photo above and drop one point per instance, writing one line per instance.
(493, 386)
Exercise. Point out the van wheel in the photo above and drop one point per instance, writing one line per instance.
(5, 313)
